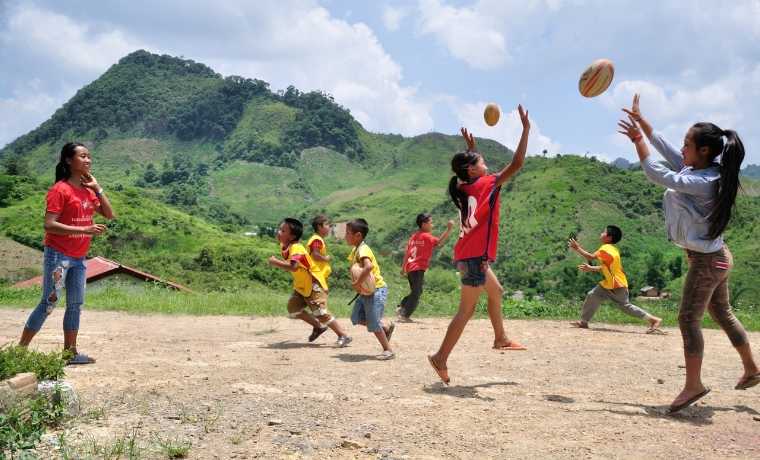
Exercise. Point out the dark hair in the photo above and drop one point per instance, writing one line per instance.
(615, 233)
(295, 226)
(358, 226)
(732, 154)
(62, 170)
(460, 164)
(423, 219)
(318, 221)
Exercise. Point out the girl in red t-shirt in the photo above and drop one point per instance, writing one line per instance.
(69, 227)
(477, 197)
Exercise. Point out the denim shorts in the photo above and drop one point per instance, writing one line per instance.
(59, 271)
(473, 271)
(370, 308)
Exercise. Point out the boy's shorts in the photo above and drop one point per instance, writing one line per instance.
(317, 303)
(370, 308)
(473, 271)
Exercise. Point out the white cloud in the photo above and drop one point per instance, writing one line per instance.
(467, 33)
(392, 17)
(507, 131)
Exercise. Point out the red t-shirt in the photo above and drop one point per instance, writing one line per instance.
(479, 234)
(419, 250)
(75, 207)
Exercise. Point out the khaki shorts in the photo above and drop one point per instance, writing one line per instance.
(317, 303)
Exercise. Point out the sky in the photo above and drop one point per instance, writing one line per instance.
(412, 67)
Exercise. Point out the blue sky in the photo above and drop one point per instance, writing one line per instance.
(412, 67)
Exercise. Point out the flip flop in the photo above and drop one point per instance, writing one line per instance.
(656, 331)
(512, 346)
(80, 359)
(579, 324)
(316, 333)
(748, 382)
(440, 372)
(687, 401)
(390, 331)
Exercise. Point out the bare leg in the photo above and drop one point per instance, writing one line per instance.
(693, 385)
(337, 329)
(310, 319)
(750, 367)
(467, 301)
(495, 292)
(26, 337)
(70, 345)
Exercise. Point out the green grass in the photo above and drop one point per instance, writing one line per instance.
(264, 302)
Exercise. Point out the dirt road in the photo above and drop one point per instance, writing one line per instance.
(241, 387)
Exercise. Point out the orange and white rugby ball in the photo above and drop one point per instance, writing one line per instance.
(596, 78)
(368, 285)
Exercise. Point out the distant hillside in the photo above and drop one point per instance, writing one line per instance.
(193, 160)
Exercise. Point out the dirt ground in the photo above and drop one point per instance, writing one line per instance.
(240, 387)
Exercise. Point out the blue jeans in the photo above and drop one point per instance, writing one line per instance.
(370, 308)
(60, 271)
(473, 271)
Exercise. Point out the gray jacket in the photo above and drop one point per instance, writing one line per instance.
(687, 199)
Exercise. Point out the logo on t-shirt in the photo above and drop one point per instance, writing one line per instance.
(85, 204)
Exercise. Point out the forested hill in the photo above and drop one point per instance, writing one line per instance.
(193, 160)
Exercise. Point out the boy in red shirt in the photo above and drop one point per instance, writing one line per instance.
(416, 261)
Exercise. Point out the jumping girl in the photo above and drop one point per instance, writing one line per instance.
(478, 200)
(697, 203)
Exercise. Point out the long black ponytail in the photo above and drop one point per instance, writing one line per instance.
(460, 165)
(732, 154)
(62, 170)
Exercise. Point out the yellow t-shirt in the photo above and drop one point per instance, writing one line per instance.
(359, 253)
(611, 267)
(307, 269)
(324, 266)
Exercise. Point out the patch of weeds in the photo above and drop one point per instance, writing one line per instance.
(284, 357)
(208, 424)
(436, 431)
(237, 437)
(101, 412)
(17, 360)
(270, 329)
(170, 449)
(144, 405)
(21, 428)
(184, 415)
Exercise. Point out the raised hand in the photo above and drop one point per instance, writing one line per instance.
(523, 117)
(635, 112)
(468, 138)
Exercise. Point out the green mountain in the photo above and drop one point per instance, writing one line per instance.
(194, 160)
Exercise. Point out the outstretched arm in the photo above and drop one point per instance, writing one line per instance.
(589, 268)
(446, 233)
(575, 246)
(522, 147)
(291, 267)
(468, 138)
(632, 131)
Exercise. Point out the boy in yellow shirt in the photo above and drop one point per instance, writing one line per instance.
(309, 285)
(316, 244)
(368, 309)
(614, 286)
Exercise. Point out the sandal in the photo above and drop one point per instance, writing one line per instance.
(386, 355)
(579, 324)
(342, 342)
(390, 331)
(316, 333)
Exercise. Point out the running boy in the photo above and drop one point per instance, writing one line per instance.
(614, 287)
(416, 261)
(368, 309)
(316, 244)
(309, 285)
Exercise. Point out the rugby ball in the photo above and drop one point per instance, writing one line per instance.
(368, 285)
(491, 114)
(596, 78)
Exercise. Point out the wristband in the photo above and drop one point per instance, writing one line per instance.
(97, 195)
(638, 136)
(639, 119)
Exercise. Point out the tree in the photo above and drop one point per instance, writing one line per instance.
(15, 165)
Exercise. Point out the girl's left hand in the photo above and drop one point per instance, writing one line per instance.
(88, 180)
(630, 128)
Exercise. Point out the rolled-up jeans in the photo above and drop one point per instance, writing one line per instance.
(706, 288)
(59, 271)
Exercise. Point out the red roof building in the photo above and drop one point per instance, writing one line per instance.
(100, 269)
